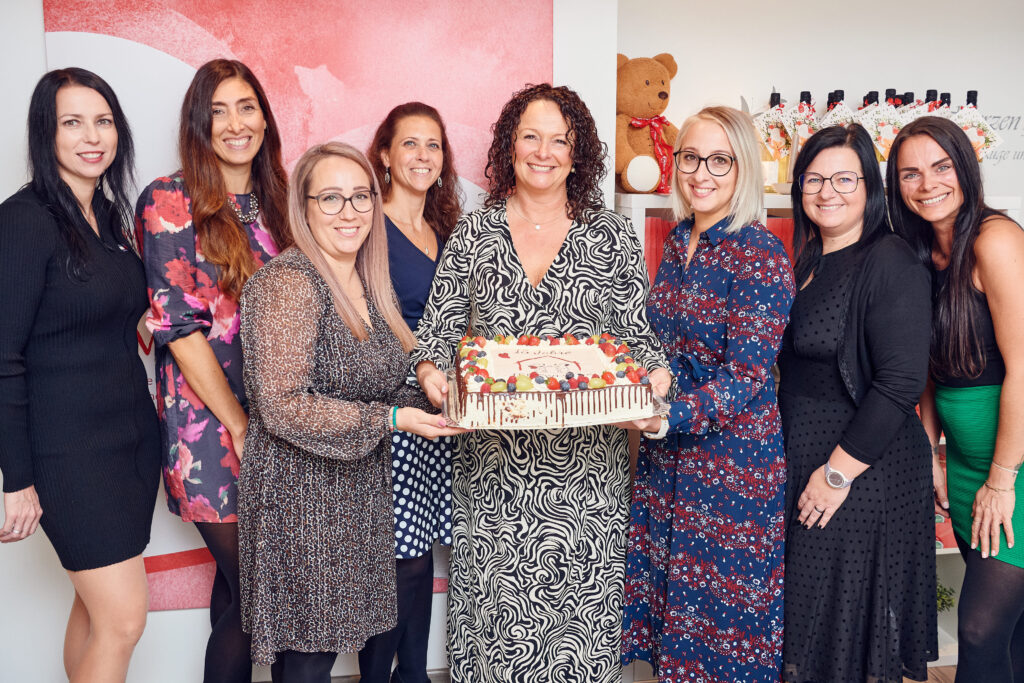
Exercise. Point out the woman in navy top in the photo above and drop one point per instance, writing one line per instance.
(413, 161)
(703, 595)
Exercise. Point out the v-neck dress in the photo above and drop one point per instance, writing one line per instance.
(316, 550)
(539, 517)
(421, 469)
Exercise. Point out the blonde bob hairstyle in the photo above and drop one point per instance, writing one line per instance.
(372, 258)
(747, 202)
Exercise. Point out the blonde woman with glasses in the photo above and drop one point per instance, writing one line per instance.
(703, 593)
(326, 356)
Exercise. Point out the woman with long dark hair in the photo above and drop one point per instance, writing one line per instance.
(205, 230)
(976, 391)
(415, 167)
(860, 552)
(80, 448)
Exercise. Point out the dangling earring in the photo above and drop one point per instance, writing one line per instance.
(387, 175)
(439, 181)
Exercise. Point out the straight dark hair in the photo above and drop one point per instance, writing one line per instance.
(444, 204)
(955, 347)
(115, 183)
(807, 235)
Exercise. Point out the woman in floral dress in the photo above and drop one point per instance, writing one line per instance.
(703, 599)
(204, 231)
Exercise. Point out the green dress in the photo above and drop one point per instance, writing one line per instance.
(969, 412)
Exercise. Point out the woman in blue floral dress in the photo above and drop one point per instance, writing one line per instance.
(204, 231)
(703, 596)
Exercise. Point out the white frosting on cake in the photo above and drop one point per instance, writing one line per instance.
(485, 364)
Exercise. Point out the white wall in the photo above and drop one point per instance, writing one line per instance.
(23, 55)
(585, 33)
(726, 50)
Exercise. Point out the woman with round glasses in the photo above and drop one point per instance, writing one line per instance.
(976, 392)
(205, 230)
(704, 573)
(326, 357)
(860, 543)
(413, 161)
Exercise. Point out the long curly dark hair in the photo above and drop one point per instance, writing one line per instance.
(444, 204)
(583, 185)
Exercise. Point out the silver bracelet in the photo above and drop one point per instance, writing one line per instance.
(1011, 470)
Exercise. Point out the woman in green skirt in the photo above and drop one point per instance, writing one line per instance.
(976, 391)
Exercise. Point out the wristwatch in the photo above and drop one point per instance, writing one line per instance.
(662, 430)
(835, 478)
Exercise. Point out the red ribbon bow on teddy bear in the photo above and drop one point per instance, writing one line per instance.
(662, 150)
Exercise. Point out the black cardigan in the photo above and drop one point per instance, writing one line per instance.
(883, 353)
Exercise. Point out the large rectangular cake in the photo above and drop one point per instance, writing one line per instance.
(532, 383)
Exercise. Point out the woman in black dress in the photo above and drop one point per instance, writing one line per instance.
(860, 558)
(80, 452)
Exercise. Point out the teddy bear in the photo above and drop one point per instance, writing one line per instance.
(643, 137)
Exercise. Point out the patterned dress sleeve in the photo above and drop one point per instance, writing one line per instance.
(26, 246)
(178, 290)
(280, 310)
(629, 321)
(447, 314)
(757, 310)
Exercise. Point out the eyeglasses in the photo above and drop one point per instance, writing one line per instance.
(717, 164)
(333, 203)
(843, 182)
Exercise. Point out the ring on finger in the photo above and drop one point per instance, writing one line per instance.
(818, 509)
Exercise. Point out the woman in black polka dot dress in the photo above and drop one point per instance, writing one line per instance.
(416, 170)
(860, 558)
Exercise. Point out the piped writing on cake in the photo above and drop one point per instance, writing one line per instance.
(534, 382)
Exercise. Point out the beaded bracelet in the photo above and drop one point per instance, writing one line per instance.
(993, 488)
(1005, 469)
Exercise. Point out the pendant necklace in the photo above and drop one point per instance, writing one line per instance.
(536, 224)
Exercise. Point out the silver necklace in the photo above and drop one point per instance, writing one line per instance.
(250, 215)
(536, 225)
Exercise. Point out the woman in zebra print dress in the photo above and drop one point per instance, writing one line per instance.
(539, 517)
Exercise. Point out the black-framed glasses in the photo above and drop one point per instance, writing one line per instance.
(718, 164)
(843, 182)
(332, 203)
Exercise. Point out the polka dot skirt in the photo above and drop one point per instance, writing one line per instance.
(421, 474)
